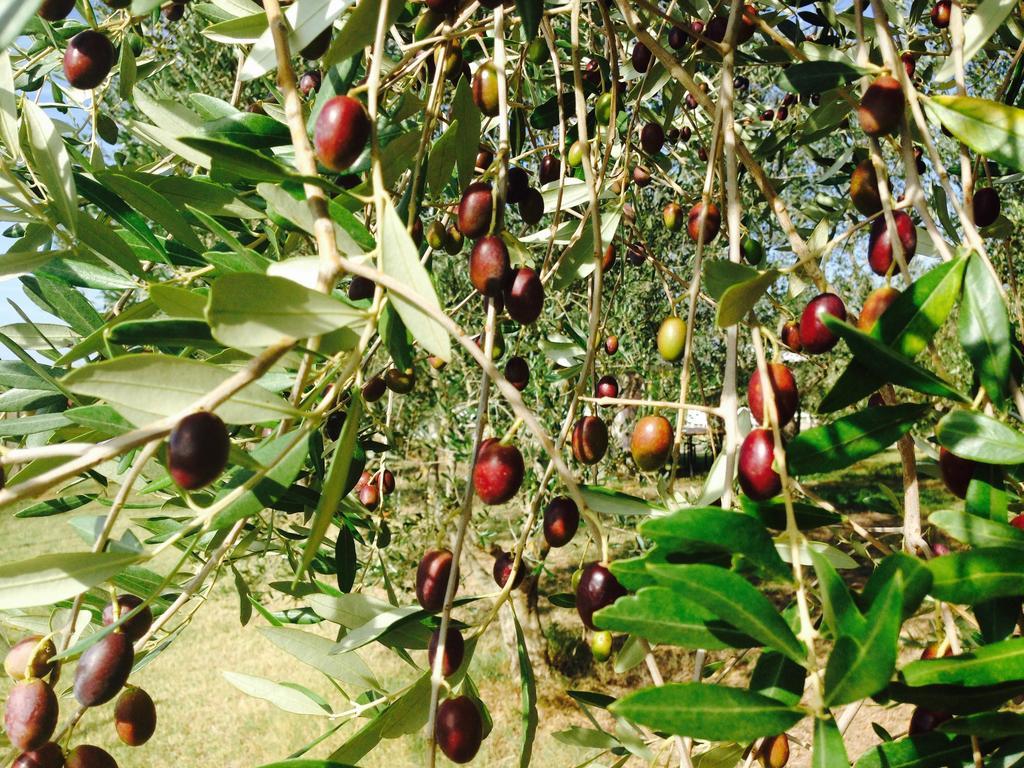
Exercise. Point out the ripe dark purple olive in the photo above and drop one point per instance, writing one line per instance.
(611, 345)
(607, 386)
(310, 82)
(881, 107)
(454, 650)
(459, 729)
(374, 389)
(88, 756)
(103, 670)
(400, 382)
(925, 720)
(137, 625)
(518, 184)
(880, 250)
(55, 10)
(361, 288)
(677, 38)
(956, 472)
(757, 478)
(651, 443)
(502, 570)
(476, 210)
(386, 482)
(597, 589)
(498, 472)
(197, 450)
(641, 57)
(524, 296)
(941, 13)
(790, 336)
(561, 521)
(589, 439)
(986, 206)
(531, 207)
(517, 371)
(489, 265)
(712, 222)
(47, 756)
(369, 496)
(815, 338)
(135, 717)
(341, 132)
(30, 658)
(787, 398)
(174, 11)
(636, 253)
(88, 59)
(484, 158)
(652, 138)
(432, 579)
(550, 169)
(30, 716)
(641, 176)
(874, 305)
(318, 46)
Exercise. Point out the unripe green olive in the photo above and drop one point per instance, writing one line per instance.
(601, 646)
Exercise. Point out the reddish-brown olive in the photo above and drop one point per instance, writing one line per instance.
(597, 589)
(880, 250)
(103, 670)
(561, 521)
(135, 717)
(607, 386)
(30, 715)
(459, 729)
(55, 10)
(88, 756)
(956, 472)
(47, 756)
(815, 338)
(925, 720)
(641, 57)
(589, 439)
(517, 371)
(881, 107)
(432, 579)
(374, 389)
(341, 132)
(550, 169)
(502, 570)
(524, 296)
(611, 345)
(774, 752)
(485, 89)
(874, 305)
(197, 450)
(677, 38)
(369, 496)
(310, 82)
(30, 657)
(652, 138)
(712, 222)
(137, 625)
(790, 336)
(757, 478)
(651, 443)
(787, 397)
(476, 209)
(498, 472)
(941, 13)
(88, 59)
(454, 650)
(489, 265)
(384, 481)
(864, 188)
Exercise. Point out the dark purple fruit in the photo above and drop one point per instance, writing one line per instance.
(864, 188)
(197, 450)
(484, 158)
(459, 729)
(476, 210)
(369, 496)
(589, 439)
(791, 336)
(432, 579)
(310, 82)
(498, 472)
(88, 756)
(524, 296)
(880, 251)
(386, 482)
(361, 288)
(874, 305)
(597, 589)
(641, 57)
(757, 478)
(517, 371)
(712, 222)
(502, 570)
(103, 670)
(400, 382)
(815, 338)
(88, 59)
(374, 389)
(454, 650)
(956, 472)
(30, 658)
(677, 38)
(881, 107)
(924, 721)
(135, 717)
(607, 386)
(651, 443)
(986, 206)
(137, 625)
(636, 253)
(940, 14)
(518, 184)
(174, 11)
(342, 130)
(31, 714)
(318, 46)
(531, 207)
(611, 345)
(47, 756)
(641, 176)
(55, 10)
(909, 63)
(787, 398)
(652, 138)
(550, 169)
(489, 265)
(561, 521)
